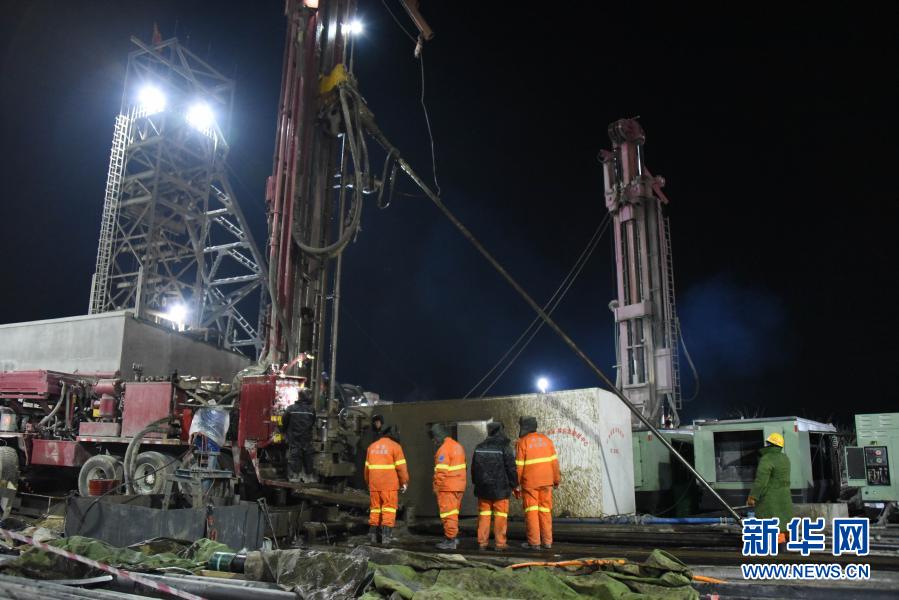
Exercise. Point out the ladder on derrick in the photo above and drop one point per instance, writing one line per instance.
(100, 288)
(673, 324)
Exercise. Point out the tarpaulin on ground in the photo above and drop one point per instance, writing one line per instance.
(148, 556)
(661, 576)
(393, 573)
(313, 574)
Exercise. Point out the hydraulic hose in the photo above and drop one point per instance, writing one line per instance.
(356, 211)
(154, 427)
(52, 413)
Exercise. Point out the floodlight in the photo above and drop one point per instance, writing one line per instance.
(151, 99)
(200, 116)
(177, 313)
(543, 384)
(354, 27)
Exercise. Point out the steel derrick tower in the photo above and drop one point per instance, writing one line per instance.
(174, 245)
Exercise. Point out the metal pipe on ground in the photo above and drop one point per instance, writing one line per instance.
(600, 534)
(212, 588)
(647, 520)
(27, 589)
(407, 169)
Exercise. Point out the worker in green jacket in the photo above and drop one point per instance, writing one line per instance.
(770, 493)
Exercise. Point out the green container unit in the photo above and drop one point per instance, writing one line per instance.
(663, 486)
(726, 455)
(871, 463)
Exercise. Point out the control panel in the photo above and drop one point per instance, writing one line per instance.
(877, 465)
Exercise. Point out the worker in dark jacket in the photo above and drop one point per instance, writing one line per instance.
(298, 421)
(494, 477)
(770, 493)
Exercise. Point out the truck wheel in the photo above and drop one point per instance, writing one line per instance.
(150, 472)
(9, 464)
(101, 466)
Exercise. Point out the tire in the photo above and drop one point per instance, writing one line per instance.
(101, 466)
(150, 472)
(9, 464)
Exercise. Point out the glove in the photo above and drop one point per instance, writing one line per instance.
(750, 501)
(517, 493)
(555, 486)
(403, 488)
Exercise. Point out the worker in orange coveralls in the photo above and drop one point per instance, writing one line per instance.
(386, 474)
(538, 474)
(449, 483)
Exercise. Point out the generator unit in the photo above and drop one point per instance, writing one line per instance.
(871, 463)
(726, 455)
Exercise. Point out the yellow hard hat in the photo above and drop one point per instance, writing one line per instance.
(775, 439)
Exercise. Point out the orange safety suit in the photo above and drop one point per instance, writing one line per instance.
(499, 509)
(449, 484)
(538, 472)
(385, 473)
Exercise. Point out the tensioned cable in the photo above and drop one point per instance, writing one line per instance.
(591, 245)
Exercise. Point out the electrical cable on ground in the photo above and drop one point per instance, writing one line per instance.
(550, 307)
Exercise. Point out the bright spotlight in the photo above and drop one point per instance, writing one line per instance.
(543, 384)
(200, 116)
(151, 99)
(177, 313)
(354, 27)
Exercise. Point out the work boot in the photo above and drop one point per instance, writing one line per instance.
(502, 548)
(448, 544)
(373, 534)
(528, 546)
(482, 547)
(386, 535)
(547, 546)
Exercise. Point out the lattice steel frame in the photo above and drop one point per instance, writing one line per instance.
(172, 230)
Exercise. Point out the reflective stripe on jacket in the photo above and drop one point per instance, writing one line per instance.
(385, 466)
(449, 467)
(536, 461)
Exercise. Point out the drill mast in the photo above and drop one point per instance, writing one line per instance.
(647, 330)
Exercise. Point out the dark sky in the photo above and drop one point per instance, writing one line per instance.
(775, 132)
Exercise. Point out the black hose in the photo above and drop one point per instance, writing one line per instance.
(50, 415)
(154, 427)
(388, 163)
(356, 210)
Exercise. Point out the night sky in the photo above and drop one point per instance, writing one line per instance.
(776, 135)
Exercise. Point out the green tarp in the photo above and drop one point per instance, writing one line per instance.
(380, 573)
(661, 576)
(151, 555)
(392, 573)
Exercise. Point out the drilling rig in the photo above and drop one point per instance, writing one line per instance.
(227, 437)
(646, 325)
